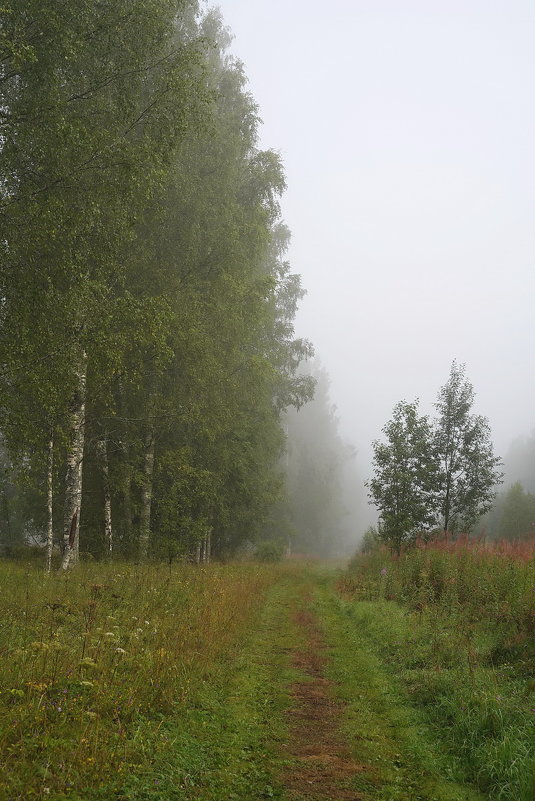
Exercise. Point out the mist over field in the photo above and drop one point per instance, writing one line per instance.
(242, 256)
(406, 131)
(220, 338)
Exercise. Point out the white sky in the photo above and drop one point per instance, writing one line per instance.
(407, 130)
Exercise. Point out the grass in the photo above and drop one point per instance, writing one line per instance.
(115, 678)
(455, 622)
(172, 684)
(399, 752)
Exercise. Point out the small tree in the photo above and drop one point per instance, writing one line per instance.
(404, 481)
(467, 468)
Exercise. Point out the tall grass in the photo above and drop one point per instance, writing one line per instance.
(456, 619)
(93, 661)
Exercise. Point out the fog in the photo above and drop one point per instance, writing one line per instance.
(406, 130)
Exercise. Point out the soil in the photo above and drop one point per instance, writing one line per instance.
(321, 765)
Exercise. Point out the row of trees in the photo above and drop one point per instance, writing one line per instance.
(512, 516)
(146, 307)
(434, 474)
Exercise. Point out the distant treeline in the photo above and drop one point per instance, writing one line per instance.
(146, 329)
(512, 516)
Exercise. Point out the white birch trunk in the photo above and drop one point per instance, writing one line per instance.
(49, 503)
(146, 494)
(73, 480)
(102, 457)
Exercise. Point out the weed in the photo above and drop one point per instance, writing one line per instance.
(458, 627)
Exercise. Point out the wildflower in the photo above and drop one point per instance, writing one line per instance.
(384, 571)
(120, 651)
(88, 662)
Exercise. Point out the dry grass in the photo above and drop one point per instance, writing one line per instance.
(93, 661)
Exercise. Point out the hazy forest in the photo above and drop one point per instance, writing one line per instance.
(190, 605)
(149, 357)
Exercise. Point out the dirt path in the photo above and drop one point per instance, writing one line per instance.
(322, 766)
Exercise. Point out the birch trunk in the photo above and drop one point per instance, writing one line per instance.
(73, 481)
(146, 494)
(49, 503)
(208, 547)
(102, 457)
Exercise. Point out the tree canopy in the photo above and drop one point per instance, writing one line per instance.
(434, 474)
(146, 317)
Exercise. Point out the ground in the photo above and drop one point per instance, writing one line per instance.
(325, 720)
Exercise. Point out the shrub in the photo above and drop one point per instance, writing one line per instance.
(270, 551)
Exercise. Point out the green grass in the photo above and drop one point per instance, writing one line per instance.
(400, 755)
(115, 680)
(150, 684)
(458, 632)
(225, 742)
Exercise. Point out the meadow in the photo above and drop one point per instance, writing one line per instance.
(96, 662)
(172, 683)
(455, 621)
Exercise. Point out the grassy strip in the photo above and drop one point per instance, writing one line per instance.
(225, 743)
(399, 753)
(117, 683)
(468, 665)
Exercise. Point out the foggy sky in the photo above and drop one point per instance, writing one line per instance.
(407, 131)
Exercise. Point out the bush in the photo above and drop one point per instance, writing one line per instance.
(269, 551)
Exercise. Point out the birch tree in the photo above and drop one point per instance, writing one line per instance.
(468, 470)
(403, 487)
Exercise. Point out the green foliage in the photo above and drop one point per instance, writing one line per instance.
(468, 469)
(371, 540)
(270, 551)
(514, 514)
(141, 234)
(434, 474)
(405, 475)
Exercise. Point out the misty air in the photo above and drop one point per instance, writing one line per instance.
(267, 427)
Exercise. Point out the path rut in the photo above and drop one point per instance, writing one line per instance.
(321, 764)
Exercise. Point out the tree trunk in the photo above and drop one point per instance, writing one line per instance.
(73, 481)
(49, 503)
(102, 457)
(146, 494)
(447, 506)
(124, 529)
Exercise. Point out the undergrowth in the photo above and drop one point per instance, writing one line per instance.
(456, 622)
(96, 664)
